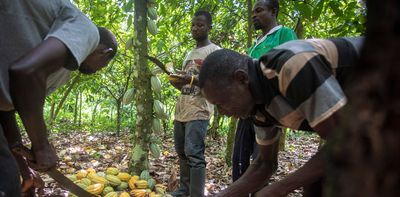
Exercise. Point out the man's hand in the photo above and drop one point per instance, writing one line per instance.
(45, 158)
(179, 80)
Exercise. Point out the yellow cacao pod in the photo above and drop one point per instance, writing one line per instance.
(98, 179)
(96, 188)
(141, 184)
(136, 177)
(152, 12)
(91, 170)
(123, 176)
(113, 180)
(111, 194)
(112, 171)
(107, 190)
(152, 27)
(138, 192)
(81, 174)
(124, 194)
(132, 182)
(160, 189)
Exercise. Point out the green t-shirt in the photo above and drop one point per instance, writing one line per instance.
(276, 36)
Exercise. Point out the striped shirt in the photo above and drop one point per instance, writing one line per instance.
(299, 84)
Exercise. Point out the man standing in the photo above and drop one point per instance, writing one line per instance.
(264, 14)
(296, 85)
(192, 112)
(42, 42)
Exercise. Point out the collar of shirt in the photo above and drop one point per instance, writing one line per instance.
(261, 39)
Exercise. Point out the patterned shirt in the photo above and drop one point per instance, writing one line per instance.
(299, 84)
(191, 104)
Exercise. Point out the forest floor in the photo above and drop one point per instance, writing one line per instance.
(101, 150)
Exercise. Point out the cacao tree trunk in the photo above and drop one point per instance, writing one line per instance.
(230, 141)
(213, 131)
(365, 159)
(143, 96)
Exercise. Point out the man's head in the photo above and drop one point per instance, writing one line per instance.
(224, 82)
(102, 55)
(201, 25)
(264, 13)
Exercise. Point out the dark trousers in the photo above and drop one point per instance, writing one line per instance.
(189, 141)
(245, 146)
(189, 144)
(10, 184)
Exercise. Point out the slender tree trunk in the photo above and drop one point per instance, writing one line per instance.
(299, 29)
(143, 96)
(76, 107)
(118, 116)
(249, 24)
(230, 141)
(365, 156)
(63, 99)
(80, 109)
(94, 112)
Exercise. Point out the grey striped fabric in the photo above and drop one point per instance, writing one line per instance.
(301, 81)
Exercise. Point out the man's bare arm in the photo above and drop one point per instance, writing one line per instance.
(28, 90)
(257, 174)
(309, 173)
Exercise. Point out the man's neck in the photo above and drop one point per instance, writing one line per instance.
(268, 28)
(202, 43)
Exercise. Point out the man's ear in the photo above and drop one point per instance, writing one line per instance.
(241, 76)
(106, 51)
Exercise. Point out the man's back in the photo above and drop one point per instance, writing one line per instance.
(28, 23)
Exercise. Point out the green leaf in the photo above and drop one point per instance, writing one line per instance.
(335, 8)
(128, 6)
(318, 10)
(129, 22)
(304, 9)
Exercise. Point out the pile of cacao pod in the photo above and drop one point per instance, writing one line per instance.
(114, 183)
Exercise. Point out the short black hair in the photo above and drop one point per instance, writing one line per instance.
(272, 4)
(220, 65)
(205, 14)
(108, 39)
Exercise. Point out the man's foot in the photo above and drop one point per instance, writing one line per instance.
(45, 158)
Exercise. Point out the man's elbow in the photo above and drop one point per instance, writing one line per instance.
(18, 71)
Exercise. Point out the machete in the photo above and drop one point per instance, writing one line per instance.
(54, 173)
(158, 63)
